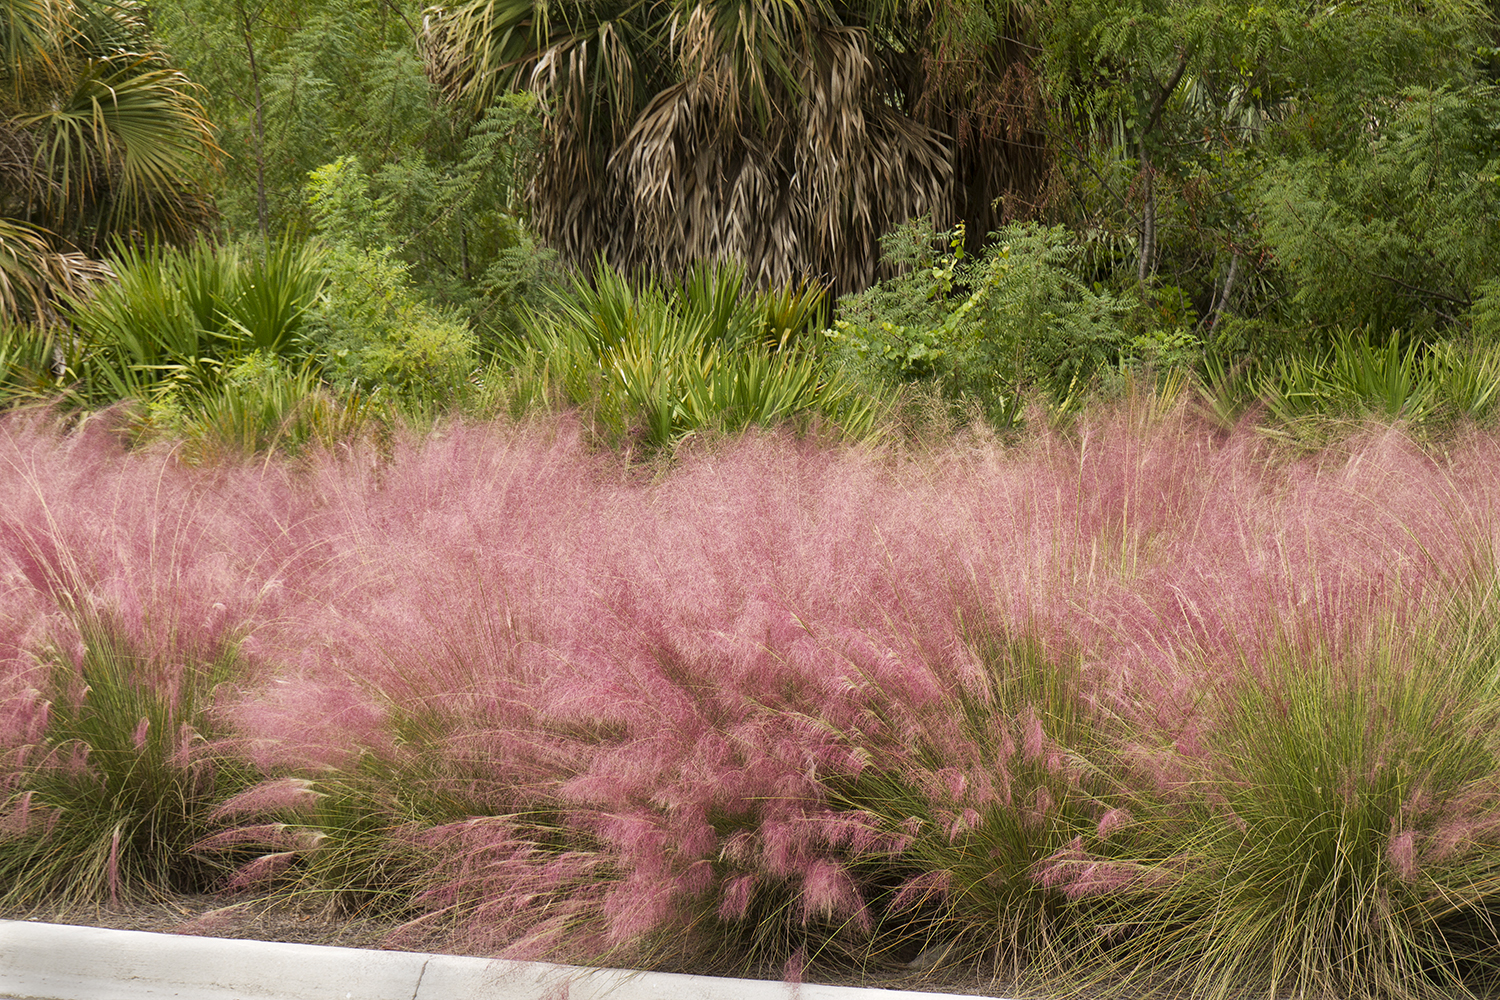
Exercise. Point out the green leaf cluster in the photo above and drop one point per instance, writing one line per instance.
(655, 362)
(990, 328)
(1402, 230)
(175, 319)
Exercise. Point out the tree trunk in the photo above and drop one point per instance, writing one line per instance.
(247, 23)
(1148, 214)
(1148, 222)
(1234, 267)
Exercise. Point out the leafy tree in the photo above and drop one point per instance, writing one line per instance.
(100, 139)
(292, 86)
(1173, 112)
(1402, 231)
(785, 135)
(297, 87)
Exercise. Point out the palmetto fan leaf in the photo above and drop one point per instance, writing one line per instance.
(99, 140)
(785, 134)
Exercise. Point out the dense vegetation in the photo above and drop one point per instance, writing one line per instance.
(795, 482)
(1015, 204)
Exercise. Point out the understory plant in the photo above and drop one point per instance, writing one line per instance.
(179, 318)
(658, 362)
(990, 328)
(262, 404)
(1402, 379)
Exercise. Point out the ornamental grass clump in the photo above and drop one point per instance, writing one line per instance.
(120, 639)
(1097, 706)
(1344, 836)
(108, 799)
(1011, 807)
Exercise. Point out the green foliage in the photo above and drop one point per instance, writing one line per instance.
(377, 335)
(125, 777)
(453, 223)
(101, 138)
(1357, 378)
(326, 79)
(989, 328)
(28, 365)
(261, 405)
(1400, 231)
(342, 87)
(1200, 141)
(664, 361)
(176, 318)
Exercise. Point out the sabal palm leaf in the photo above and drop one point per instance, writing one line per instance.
(116, 146)
(28, 31)
(787, 135)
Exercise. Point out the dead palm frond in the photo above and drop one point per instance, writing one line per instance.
(34, 275)
(787, 135)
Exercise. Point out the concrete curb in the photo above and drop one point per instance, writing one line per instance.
(62, 962)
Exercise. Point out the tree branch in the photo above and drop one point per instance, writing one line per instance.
(1160, 104)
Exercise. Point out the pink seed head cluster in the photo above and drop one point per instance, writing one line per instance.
(653, 698)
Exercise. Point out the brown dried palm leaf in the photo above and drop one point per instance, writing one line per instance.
(807, 191)
(785, 134)
(34, 275)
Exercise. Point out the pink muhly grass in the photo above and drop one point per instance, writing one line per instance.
(264, 869)
(260, 835)
(692, 669)
(112, 866)
(1401, 853)
(921, 888)
(1111, 821)
(828, 893)
(795, 967)
(17, 822)
(738, 892)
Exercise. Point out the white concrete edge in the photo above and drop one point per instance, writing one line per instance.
(41, 961)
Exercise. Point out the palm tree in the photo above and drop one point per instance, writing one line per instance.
(787, 135)
(100, 139)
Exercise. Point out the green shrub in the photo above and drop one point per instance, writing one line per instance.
(29, 364)
(666, 361)
(262, 405)
(374, 333)
(1016, 318)
(178, 317)
(1416, 382)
